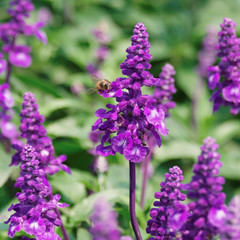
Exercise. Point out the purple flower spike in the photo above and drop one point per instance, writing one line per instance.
(165, 88)
(231, 228)
(169, 214)
(135, 118)
(34, 213)
(227, 91)
(33, 130)
(3, 64)
(18, 55)
(207, 212)
(8, 129)
(207, 55)
(102, 52)
(104, 222)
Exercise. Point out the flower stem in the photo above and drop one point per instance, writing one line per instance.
(145, 178)
(195, 102)
(132, 187)
(9, 65)
(63, 229)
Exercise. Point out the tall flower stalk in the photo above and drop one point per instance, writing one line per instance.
(102, 51)
(206, 57)
(168, 214)
(8, 129)
(134, 118)
(163, 94)
(231, 228)
(19, 55)
(37, 210)
(207, 210)
(99, 165)
(104, 222)
(224, 77)
(33, 131)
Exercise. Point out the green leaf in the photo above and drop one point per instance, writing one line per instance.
(118, 178)
(66, 127)
(83, 234)
(69, 185)
(5, 170)
(176, 150)
(226, 131)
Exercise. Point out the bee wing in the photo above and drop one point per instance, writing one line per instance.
(91, 91)
(95, 78)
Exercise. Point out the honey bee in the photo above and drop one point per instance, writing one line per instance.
(101, 84)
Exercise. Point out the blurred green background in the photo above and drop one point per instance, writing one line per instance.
(176, 29)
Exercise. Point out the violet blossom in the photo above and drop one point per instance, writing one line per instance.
(100, 164)
(8, 129)
(208, 54)
(168, 214)
(36, 135)
(165, 88)
(104, 222)
(18, 55)
(134, 118)
(34, 213)
(224, 77)
(102, 52)
(231, 228)
(3, 64)
(44, 15)
(207, 211)
(163, 94)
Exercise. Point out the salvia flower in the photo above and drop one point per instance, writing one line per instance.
(33, 130)
(100, 164)
(168, 214)
(102, 52)
(44, 15)
(228, 90)
(165, 88)
(3, 64)
(19, 55)
(207, 211)
(104, 222)
(8, 129)
(134, 118)
(208, 54)
(34, 213)
(231, 228)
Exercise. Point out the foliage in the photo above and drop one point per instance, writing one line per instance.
(176, 29)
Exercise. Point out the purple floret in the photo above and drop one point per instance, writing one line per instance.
(231, 228)
(134, 118)
(208, 54)
(8, 129)
(19, 55)
(104, 222)
(34, 213)
(165, 88)
(33, 130)
(168, 214)
(227, 91)
(207, 211)
(102, 51)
